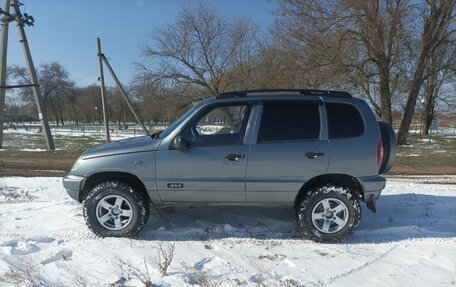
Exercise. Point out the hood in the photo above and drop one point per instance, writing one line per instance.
(131, 145)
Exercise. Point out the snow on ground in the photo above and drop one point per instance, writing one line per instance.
(411, 241)
(84, 131)
(33, 149)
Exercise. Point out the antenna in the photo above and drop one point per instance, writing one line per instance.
(21, 21)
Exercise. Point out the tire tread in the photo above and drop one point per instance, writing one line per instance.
(304, 209)
(136, 199)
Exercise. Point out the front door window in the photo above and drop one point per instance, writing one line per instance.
(223, 125)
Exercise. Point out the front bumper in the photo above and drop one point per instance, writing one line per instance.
(73, 185)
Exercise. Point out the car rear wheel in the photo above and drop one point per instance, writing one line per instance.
(328, 214)
(115, 209)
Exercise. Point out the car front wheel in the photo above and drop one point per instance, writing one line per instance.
(328, 214)
(115, 209)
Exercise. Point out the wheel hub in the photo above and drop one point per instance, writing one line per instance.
(329, 214)
(115, 211)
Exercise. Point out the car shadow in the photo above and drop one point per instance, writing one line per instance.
(408, 216)
(398, 217)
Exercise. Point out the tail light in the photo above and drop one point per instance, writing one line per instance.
(379, 154)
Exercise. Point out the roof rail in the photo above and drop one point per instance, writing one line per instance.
(301, 92)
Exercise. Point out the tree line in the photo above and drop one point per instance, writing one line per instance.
(399, 55)
(66, 103)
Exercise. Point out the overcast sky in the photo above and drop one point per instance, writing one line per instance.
(66, 30)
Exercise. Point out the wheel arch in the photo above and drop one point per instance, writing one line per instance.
(125, 177)
(337, 179)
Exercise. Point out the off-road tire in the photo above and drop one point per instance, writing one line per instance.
(137, 202)
(313, 199)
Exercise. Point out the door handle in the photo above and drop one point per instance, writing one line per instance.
(313, 154)
(234, 156)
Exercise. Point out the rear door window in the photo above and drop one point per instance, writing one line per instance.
(289, 122)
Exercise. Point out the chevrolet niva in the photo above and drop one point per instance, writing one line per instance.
(321, 152)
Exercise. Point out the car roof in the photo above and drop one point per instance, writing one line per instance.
(283, 92)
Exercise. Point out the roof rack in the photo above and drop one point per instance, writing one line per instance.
(301, 92)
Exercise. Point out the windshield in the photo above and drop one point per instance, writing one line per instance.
(170, 128)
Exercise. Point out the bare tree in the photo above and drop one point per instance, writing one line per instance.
(71, 96)
(54, 81)
(161, 105)
(438, 28)
(263, 64)
(85, 101)
(358, 41)
(199, 48)
(20, 75)
(55, 87)
(440, 71)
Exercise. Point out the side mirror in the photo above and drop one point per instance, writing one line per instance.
(179, 143)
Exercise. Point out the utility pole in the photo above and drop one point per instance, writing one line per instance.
(102, 87)
(102, 57)
(3, 60)
(124, 94)
(33, 78)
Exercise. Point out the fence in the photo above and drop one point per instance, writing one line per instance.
(443, 132)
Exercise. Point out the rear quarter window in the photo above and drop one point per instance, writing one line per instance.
(344, 121)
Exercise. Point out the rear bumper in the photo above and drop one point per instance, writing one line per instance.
(73, 185)
(372, 185)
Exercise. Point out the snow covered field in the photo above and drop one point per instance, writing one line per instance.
(83, 131)
(411, 241)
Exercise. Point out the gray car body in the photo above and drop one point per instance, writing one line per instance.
(270, 173)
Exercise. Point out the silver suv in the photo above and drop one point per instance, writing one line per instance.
(321, 152)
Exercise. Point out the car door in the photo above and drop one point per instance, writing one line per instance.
(212, 167)
(291, 148)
